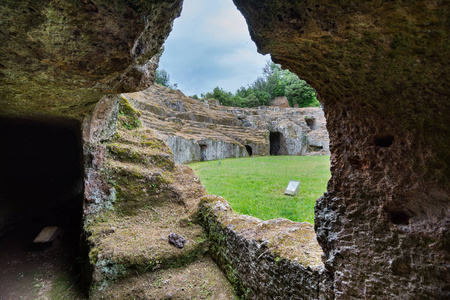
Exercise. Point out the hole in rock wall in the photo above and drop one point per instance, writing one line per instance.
(203, 152)
(277, 143)
(399, 217)
(41, 185)
(384, 139)
(249, 150)
(315, 148)
(311, 122)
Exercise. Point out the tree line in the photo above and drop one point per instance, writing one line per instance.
(273, 83)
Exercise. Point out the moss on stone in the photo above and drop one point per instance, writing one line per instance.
(50, 66)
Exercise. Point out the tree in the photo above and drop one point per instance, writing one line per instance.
(162, 77)
(219, 94)
(299, 92)
(273, 83)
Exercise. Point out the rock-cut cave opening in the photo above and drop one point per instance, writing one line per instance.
(311, 123)
(203, 152)
(249, 150)
(41, 185)
(277, 143)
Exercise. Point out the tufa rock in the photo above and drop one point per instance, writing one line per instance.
(198, 130)
(280, 101)
(176, 240)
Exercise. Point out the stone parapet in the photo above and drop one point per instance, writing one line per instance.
(274, 259)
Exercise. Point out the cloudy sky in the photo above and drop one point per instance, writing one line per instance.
(210, 46)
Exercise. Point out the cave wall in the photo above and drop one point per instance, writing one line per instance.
(60, 57)
(379, 68)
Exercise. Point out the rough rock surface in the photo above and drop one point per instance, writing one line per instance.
(280, 101)
(205, 130)
(60, 57)
(380, 69)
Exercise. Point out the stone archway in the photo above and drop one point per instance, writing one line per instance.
(381, 70)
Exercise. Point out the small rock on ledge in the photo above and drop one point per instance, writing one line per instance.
(176, 240)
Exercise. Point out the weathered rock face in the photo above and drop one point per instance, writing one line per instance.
(281, 259)
(380, 69)
(280, 101)
(60, 57)
(198, 130)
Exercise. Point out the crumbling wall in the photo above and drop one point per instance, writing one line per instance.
(185, 151)
(275, 259)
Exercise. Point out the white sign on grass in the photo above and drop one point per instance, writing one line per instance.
(292, 188)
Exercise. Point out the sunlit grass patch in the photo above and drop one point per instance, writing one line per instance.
(255, 185)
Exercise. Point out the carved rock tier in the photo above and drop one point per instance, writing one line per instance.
(198, 130)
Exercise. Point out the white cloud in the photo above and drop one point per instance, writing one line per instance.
(210, 46)
(227, 26)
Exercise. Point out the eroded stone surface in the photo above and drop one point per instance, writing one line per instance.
(275, 259)
(61, 57)
(200, 280)
(379, 70)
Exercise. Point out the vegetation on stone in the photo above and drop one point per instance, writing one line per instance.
(277, 251)
(255, 186)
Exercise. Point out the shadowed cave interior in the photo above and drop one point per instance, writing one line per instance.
(41, 185)
(277, 143)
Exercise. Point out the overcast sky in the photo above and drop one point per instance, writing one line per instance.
(210, 46)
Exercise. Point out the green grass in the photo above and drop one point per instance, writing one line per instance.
(255, 185)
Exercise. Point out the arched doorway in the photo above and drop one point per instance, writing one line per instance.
(249, 150)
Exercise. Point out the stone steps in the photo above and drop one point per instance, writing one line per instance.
(199, 280)
(153, 199)
(140, 155)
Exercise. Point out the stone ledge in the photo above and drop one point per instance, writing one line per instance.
(275, 259)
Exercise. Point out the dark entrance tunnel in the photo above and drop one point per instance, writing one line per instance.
(41, 181)
(203, 152)
(277, 143)
(249, 150)
(41, 174)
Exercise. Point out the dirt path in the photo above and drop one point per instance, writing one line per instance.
(30, 271)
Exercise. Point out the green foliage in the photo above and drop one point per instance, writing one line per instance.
(226, 98)
(299, 92)
(163, 78)
(274, 82)
(255, 186)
